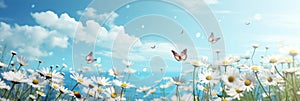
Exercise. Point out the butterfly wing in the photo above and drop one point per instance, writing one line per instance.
(211, 37)
(183, 54)
(217, 39)
(176, 55)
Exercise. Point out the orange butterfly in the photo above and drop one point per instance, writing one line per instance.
(180, 57)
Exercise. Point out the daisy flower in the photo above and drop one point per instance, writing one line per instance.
(3, 65)
(101, 81)
(209, 77)
(111, 94)
(3, 85)
(55, 86)
(235, 92)
(15, 77)
(293, 52)
(63, 90)
(127, 63)
(22, 61)
(143, 89)
(80, 79)
(32, 97)
(269, 78)
(114, 73)
(77, 95)
(41, 93)
(178, 81)
(248, 82)
(53, 75)
(150, 92)
(199, 63)
(231, 76)
(36, 81)
(122, 84)
(129, 70)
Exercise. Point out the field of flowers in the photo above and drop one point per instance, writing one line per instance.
(272, 78)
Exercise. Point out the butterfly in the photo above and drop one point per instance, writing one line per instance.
(89, 58)
(152, 47)
(212, 38)
(180, 57)
(181, 32)
(247, 23)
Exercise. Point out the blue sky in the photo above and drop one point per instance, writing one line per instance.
(45, 29)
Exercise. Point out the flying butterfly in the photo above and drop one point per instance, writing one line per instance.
(152, 47)
(89, 58)
(212, 38)
(180, 57)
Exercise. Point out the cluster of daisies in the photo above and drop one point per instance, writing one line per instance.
(232, 78)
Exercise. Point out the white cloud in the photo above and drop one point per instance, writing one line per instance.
(91, 14)
(63, 23)
(35, 41)
(2, 4)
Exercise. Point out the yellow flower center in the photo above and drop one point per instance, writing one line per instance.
(80, 80)
(62, 90)
(247, 82)
(208, 77)
(49, 75)
(116, 73)
(124, 85)
(77, 94)
(231, 78)
(113, 95)
(55, 86)
(205, 89)
(289, 60)
(270, 79)
(40, 93)
(273, 60)
(293, 52)
(152, 92)
(238, 91)
(196, 63)
(224, 100)
(100, 90)
(225, 62)
(35, 81)
(254, 68)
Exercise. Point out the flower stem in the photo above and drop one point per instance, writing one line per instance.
(294, 88)
(8, 66)
(194, 96)
(281, 75)
(177, 93)
(253, 55)
(293, 61)
(121, 96)
(57, 97)
(48, 94)
(12, 87)
(262, 86)
(87, 95)
(19, 67)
